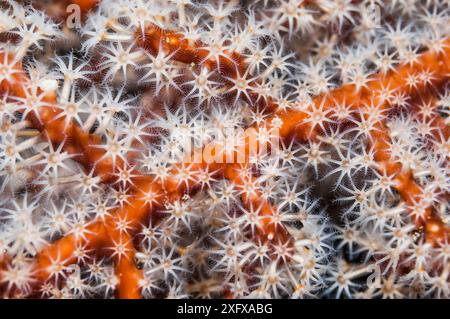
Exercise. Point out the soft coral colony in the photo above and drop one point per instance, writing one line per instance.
(97, 120)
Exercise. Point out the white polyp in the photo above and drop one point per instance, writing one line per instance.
(48, 85)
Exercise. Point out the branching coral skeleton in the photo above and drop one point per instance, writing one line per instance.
(260, 251)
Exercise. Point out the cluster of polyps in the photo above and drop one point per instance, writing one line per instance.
(93, 204)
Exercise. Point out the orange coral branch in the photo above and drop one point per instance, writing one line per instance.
(435, 229)
(85, 5)
(153, 39)
(80, 142)
(59, 9)
(230, 64)
(268, 230)
(50, 122)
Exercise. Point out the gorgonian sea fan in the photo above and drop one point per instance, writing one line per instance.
(128, 165)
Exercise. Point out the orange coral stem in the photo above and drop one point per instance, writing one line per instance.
(79, 142)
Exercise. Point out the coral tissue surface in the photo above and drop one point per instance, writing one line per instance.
(224, 149)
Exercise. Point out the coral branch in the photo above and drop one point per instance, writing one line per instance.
(292, 121)
(258, 242)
